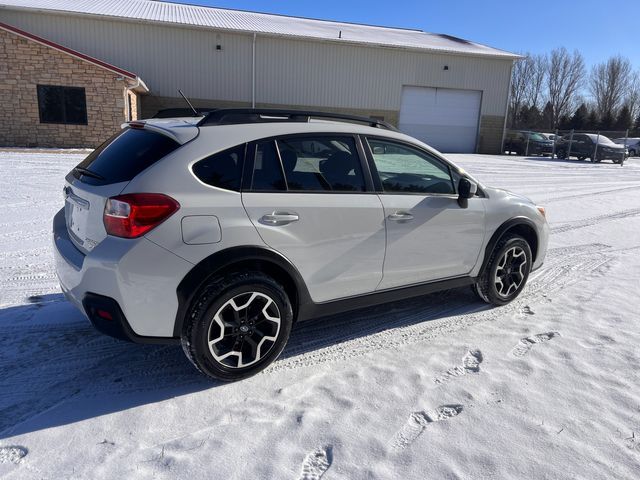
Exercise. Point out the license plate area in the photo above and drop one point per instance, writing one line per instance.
(77, 216)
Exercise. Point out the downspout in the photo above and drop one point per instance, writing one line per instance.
(253, 72)
(506, 109)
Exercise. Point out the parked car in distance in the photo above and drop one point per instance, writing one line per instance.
(523, 142)
(549, 136)
(583, 146)
(220, 232)
(632, 144)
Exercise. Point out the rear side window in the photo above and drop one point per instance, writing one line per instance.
(223, 169)
(123, 156)
(321, 163)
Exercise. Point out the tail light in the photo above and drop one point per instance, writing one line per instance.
(134, 214)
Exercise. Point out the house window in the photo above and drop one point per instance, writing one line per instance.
(62, 105)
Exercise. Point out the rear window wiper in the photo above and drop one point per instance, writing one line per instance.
(88, 173)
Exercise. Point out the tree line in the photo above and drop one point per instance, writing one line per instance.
(555, 91)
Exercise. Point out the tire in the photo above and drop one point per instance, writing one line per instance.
(492, 285)
(632, 153)
(227, 310)
(561, 154)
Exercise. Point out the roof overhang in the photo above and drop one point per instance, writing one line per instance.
(135, 82)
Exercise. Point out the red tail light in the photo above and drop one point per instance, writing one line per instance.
(134, 214)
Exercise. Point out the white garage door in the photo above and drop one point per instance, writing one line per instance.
(444, 118)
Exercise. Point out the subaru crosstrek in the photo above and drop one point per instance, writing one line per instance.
(220, 232)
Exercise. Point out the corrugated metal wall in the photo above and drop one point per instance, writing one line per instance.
(288, 72)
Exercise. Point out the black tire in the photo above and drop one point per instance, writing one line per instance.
(561, 154)
(208, 304)
(632, 153)
(486, 286)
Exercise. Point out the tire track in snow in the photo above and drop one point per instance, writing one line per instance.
(588, 222)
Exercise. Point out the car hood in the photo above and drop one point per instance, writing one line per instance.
(494, 192)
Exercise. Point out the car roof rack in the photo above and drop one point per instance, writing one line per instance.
(236, 116)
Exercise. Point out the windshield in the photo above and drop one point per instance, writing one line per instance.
(536, 136)
(602, 140)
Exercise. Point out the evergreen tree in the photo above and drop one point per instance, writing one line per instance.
(607, 121)
(636, 127)
(592, 121)
(547, 117)
(624, 120)
(579, 118)
(564, 123)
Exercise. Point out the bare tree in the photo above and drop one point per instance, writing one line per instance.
(632, 99)
(519, 78)
(535, 82)
(609, 84)
(565, 77)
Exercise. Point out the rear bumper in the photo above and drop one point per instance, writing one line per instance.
(137, 275)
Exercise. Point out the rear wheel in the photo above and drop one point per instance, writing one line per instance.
(507, 271)
(237, 325)
(632, 153)
(561, 154)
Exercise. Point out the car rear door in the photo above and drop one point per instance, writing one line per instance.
(311, 199)
(429, 235)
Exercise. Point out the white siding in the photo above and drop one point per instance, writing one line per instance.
(288, 71)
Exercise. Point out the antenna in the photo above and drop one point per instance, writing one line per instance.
(195, 112)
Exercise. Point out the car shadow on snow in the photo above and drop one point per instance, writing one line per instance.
(56, 369)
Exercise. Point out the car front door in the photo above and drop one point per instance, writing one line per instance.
(429, 235)
(309, 199)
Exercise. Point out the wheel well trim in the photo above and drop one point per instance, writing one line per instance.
(220, 261)
(500, 233)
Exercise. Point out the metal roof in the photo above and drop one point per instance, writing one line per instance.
(261, 23)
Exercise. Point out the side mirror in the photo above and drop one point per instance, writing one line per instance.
(466, 190)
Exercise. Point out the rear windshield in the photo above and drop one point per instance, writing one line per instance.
(124, 156)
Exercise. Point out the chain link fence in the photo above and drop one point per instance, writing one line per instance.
(592, 145)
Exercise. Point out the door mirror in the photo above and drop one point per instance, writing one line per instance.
(466, 190)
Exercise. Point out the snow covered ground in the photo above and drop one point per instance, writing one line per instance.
(436, 387)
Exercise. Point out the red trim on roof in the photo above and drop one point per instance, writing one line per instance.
(64, 49)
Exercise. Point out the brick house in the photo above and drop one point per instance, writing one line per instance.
(53, 96)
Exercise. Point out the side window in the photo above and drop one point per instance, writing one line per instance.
(267, 170)
(321, 163)
(223, 169)
(404, 169)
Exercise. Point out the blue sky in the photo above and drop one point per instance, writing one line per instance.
(597, 29)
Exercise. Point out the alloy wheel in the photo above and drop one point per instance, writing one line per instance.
(510, 272)
(244, 329)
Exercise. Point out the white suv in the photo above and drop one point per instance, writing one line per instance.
(220, 232)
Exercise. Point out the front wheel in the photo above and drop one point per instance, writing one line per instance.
(507, 271)
(237, 325)
(561, 154)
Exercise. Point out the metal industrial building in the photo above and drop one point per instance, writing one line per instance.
(449, 92)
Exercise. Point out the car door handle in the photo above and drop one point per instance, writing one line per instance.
(400, 216)
(279, 218)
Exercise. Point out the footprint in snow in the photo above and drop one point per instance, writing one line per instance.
(418, 421)
(315, 464)
(470, 364)
(13, 454)
(526, 343)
